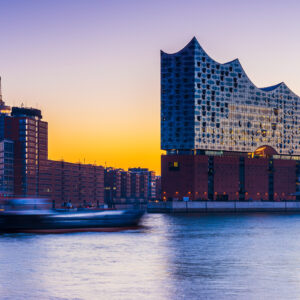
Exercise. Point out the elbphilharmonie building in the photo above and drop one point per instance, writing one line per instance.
(215, 121)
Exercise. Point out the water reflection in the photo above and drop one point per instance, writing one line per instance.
(172, 257)
(235, 256)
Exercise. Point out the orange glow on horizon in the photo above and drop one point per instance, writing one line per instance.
(108, 140)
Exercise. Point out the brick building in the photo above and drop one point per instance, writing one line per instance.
(80, 184)
(229, 177)
(134, 185)
(26, 135)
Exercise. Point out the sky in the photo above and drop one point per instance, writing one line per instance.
(93, 67)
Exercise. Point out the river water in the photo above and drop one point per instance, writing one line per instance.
(246, 256)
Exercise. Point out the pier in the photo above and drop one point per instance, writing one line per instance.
(222, 206)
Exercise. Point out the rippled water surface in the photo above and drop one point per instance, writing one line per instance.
(255, 256)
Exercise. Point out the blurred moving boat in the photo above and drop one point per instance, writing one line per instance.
(51, 221)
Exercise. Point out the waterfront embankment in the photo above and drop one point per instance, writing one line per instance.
(223, 206)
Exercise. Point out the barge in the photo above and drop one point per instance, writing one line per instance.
(52, 221)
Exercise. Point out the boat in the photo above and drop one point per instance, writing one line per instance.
(36, 220)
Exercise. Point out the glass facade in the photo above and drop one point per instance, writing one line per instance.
(206, 105)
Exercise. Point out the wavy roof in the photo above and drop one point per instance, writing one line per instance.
(195, 42)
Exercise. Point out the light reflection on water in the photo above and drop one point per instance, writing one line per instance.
(255, 256)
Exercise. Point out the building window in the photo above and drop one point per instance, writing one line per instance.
(174, 166)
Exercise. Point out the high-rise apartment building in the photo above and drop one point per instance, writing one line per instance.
(29, 133)
(30, 136)
(23, 135)
(6, 168)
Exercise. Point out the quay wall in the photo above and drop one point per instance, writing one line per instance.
(223, 206)
(131, 206)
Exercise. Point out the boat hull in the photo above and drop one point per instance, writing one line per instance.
(54, 222)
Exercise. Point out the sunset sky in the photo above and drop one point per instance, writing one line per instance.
(93, 67)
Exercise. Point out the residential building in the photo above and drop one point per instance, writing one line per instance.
(6, 168)
(82, 185)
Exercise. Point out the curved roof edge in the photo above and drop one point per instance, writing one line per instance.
(272, 87)
(193, 40)
(265, 89)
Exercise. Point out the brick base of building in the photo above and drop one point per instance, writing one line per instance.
(228, 177)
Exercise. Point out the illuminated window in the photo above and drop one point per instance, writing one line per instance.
(174, 166)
